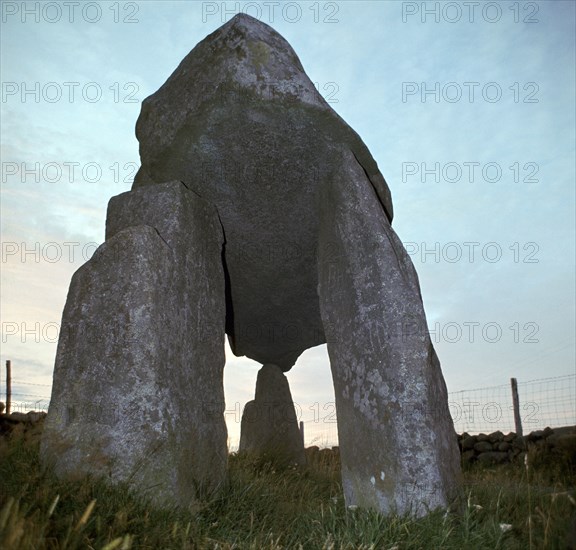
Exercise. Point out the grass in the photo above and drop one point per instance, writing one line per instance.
(508, 506)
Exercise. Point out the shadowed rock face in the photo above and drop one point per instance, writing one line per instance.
(241, 124)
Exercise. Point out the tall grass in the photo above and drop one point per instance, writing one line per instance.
(263, 507)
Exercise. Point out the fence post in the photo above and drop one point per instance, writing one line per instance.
(516, 404)
(8, 386)
(302, 432)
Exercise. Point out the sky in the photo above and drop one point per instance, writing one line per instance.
(468, 108)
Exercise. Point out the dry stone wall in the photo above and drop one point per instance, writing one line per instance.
(498, 448)
(493, 448)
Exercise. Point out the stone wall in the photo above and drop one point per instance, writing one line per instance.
(493, 448)
(20, 423)
(497, 448)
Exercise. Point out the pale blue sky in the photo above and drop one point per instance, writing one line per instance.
(360, 61)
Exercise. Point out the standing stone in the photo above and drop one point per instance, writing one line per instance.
(269, 425)
(398, 446)
(138, 391)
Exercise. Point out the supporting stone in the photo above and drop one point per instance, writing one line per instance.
(138, 382)
(397, 441)
(269, 426)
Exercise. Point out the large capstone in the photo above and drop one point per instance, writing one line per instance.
(241, 124)
(269, 425)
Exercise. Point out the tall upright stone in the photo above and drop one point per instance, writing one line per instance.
(138, 393)
(397, 441)
(269, 425)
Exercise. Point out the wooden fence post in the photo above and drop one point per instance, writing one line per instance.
(302, 432)
(516, 404)
(8, 386)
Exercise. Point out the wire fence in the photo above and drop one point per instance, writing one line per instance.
(29, 396)
(542, 402)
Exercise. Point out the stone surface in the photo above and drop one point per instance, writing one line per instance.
(535, 435)
(241, 124)
(496, 436)
(398, 447)
(269, 424)
(519, 443)
(138, 392)
(482, 446)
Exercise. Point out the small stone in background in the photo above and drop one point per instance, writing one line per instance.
(468, 443)
(496, 436)
(483, 446)
(269, 424)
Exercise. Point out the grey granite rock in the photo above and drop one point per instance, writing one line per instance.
(241, 124)
(483, 446)
(269, 425)
(496, 436)
(138, 392)
(398, 446)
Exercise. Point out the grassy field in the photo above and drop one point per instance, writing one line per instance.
(508, 506)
